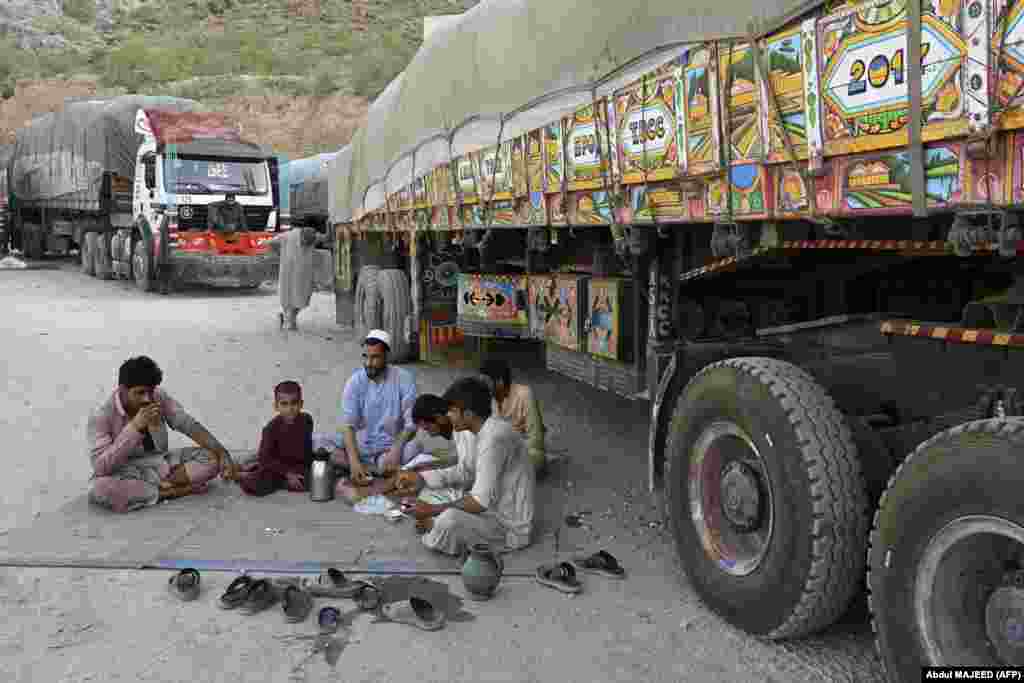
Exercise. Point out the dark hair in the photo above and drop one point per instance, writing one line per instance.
(497, 371)
(141, 371)
(373, 341)
(470, 393)
(428, 407)
(288, 388)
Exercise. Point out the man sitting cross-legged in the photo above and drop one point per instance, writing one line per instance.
(132, 465)
(499, 507)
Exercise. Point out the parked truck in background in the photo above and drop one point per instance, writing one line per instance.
(135, 184)
(804, 248)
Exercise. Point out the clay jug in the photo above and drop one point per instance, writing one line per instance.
(481, 572)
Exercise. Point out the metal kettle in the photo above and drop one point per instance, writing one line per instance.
(321, 478)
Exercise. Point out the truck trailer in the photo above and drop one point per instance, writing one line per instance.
(146, 188)
(802, 247)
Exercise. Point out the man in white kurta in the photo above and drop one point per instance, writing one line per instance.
(498, 509)
(295, 282)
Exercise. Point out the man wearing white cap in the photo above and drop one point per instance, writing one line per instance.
(377, 424)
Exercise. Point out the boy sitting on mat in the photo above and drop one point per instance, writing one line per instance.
(286, 447)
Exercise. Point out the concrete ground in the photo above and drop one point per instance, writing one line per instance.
(64, 337)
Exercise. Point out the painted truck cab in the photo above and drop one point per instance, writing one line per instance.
(180, 182)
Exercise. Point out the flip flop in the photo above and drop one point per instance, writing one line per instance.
(237, 592)
(367, 596)
(185, 585)
(601, 562)
(416, 612)
(296, 604)
(331, 584)
(329, 619)
(561, 577)
(262, 594)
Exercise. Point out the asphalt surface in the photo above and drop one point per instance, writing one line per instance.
(64, 337)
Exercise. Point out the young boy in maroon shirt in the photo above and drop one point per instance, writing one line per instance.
(286, 447)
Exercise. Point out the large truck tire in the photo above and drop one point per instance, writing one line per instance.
(367, 310)
(33, 240)
(765, 497)
(142, 267)
(946, 565)
(395, 309)
(88, 252)
(102, 258)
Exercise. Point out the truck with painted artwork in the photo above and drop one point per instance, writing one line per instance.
(151, 189)
(802, 247)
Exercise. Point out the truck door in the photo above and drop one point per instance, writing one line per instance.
(145, 187)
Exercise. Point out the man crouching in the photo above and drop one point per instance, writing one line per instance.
(132, 465)
(498, 509)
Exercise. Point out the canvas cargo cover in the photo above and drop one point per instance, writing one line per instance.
(513, 66)
(66, 153)
(307, 179)
(180, 127)
(338, 167)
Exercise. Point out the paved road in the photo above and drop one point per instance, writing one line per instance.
(63, 339)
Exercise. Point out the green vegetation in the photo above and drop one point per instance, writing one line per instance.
(174, 47)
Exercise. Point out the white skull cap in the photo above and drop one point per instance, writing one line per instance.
(380, 336)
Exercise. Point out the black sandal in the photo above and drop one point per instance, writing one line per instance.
(296, 604)
(185, 585)
(237, 592)
(601, 562)
(262, 594)
(561, 577)
(367, 596)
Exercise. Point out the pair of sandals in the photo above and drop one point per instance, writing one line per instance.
(562, 575)
(417, 611)
(251, 596)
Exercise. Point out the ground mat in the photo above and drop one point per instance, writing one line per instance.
(226, 531)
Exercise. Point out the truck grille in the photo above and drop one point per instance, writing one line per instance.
(255, 217)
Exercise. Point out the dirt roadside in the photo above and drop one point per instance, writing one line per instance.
(63, 338)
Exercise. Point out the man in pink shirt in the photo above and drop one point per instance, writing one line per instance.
(132, 465)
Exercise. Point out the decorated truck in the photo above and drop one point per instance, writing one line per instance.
(146, 188)
(798, 240)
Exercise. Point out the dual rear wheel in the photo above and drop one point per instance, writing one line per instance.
(769, 509)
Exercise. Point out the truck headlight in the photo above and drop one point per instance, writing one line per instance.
(272, 219)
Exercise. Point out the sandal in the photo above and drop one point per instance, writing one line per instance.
(185, 585)
(331, 584)
(237, 592)
(561, 577)
(328, 619)
(416, 612)
(601, 562)
(296, 604)
(367, 596)
(262, 594)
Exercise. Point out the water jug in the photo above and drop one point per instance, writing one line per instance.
(321, 478)
(481, 573)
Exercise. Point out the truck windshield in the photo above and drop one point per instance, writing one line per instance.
(214, 176)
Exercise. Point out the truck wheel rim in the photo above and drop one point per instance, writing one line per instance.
(968, 597)
(730, 498)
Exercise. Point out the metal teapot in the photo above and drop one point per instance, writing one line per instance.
(321, 478)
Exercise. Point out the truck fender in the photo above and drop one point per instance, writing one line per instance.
(666, 391)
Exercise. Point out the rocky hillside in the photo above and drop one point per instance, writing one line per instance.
(291, 71)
